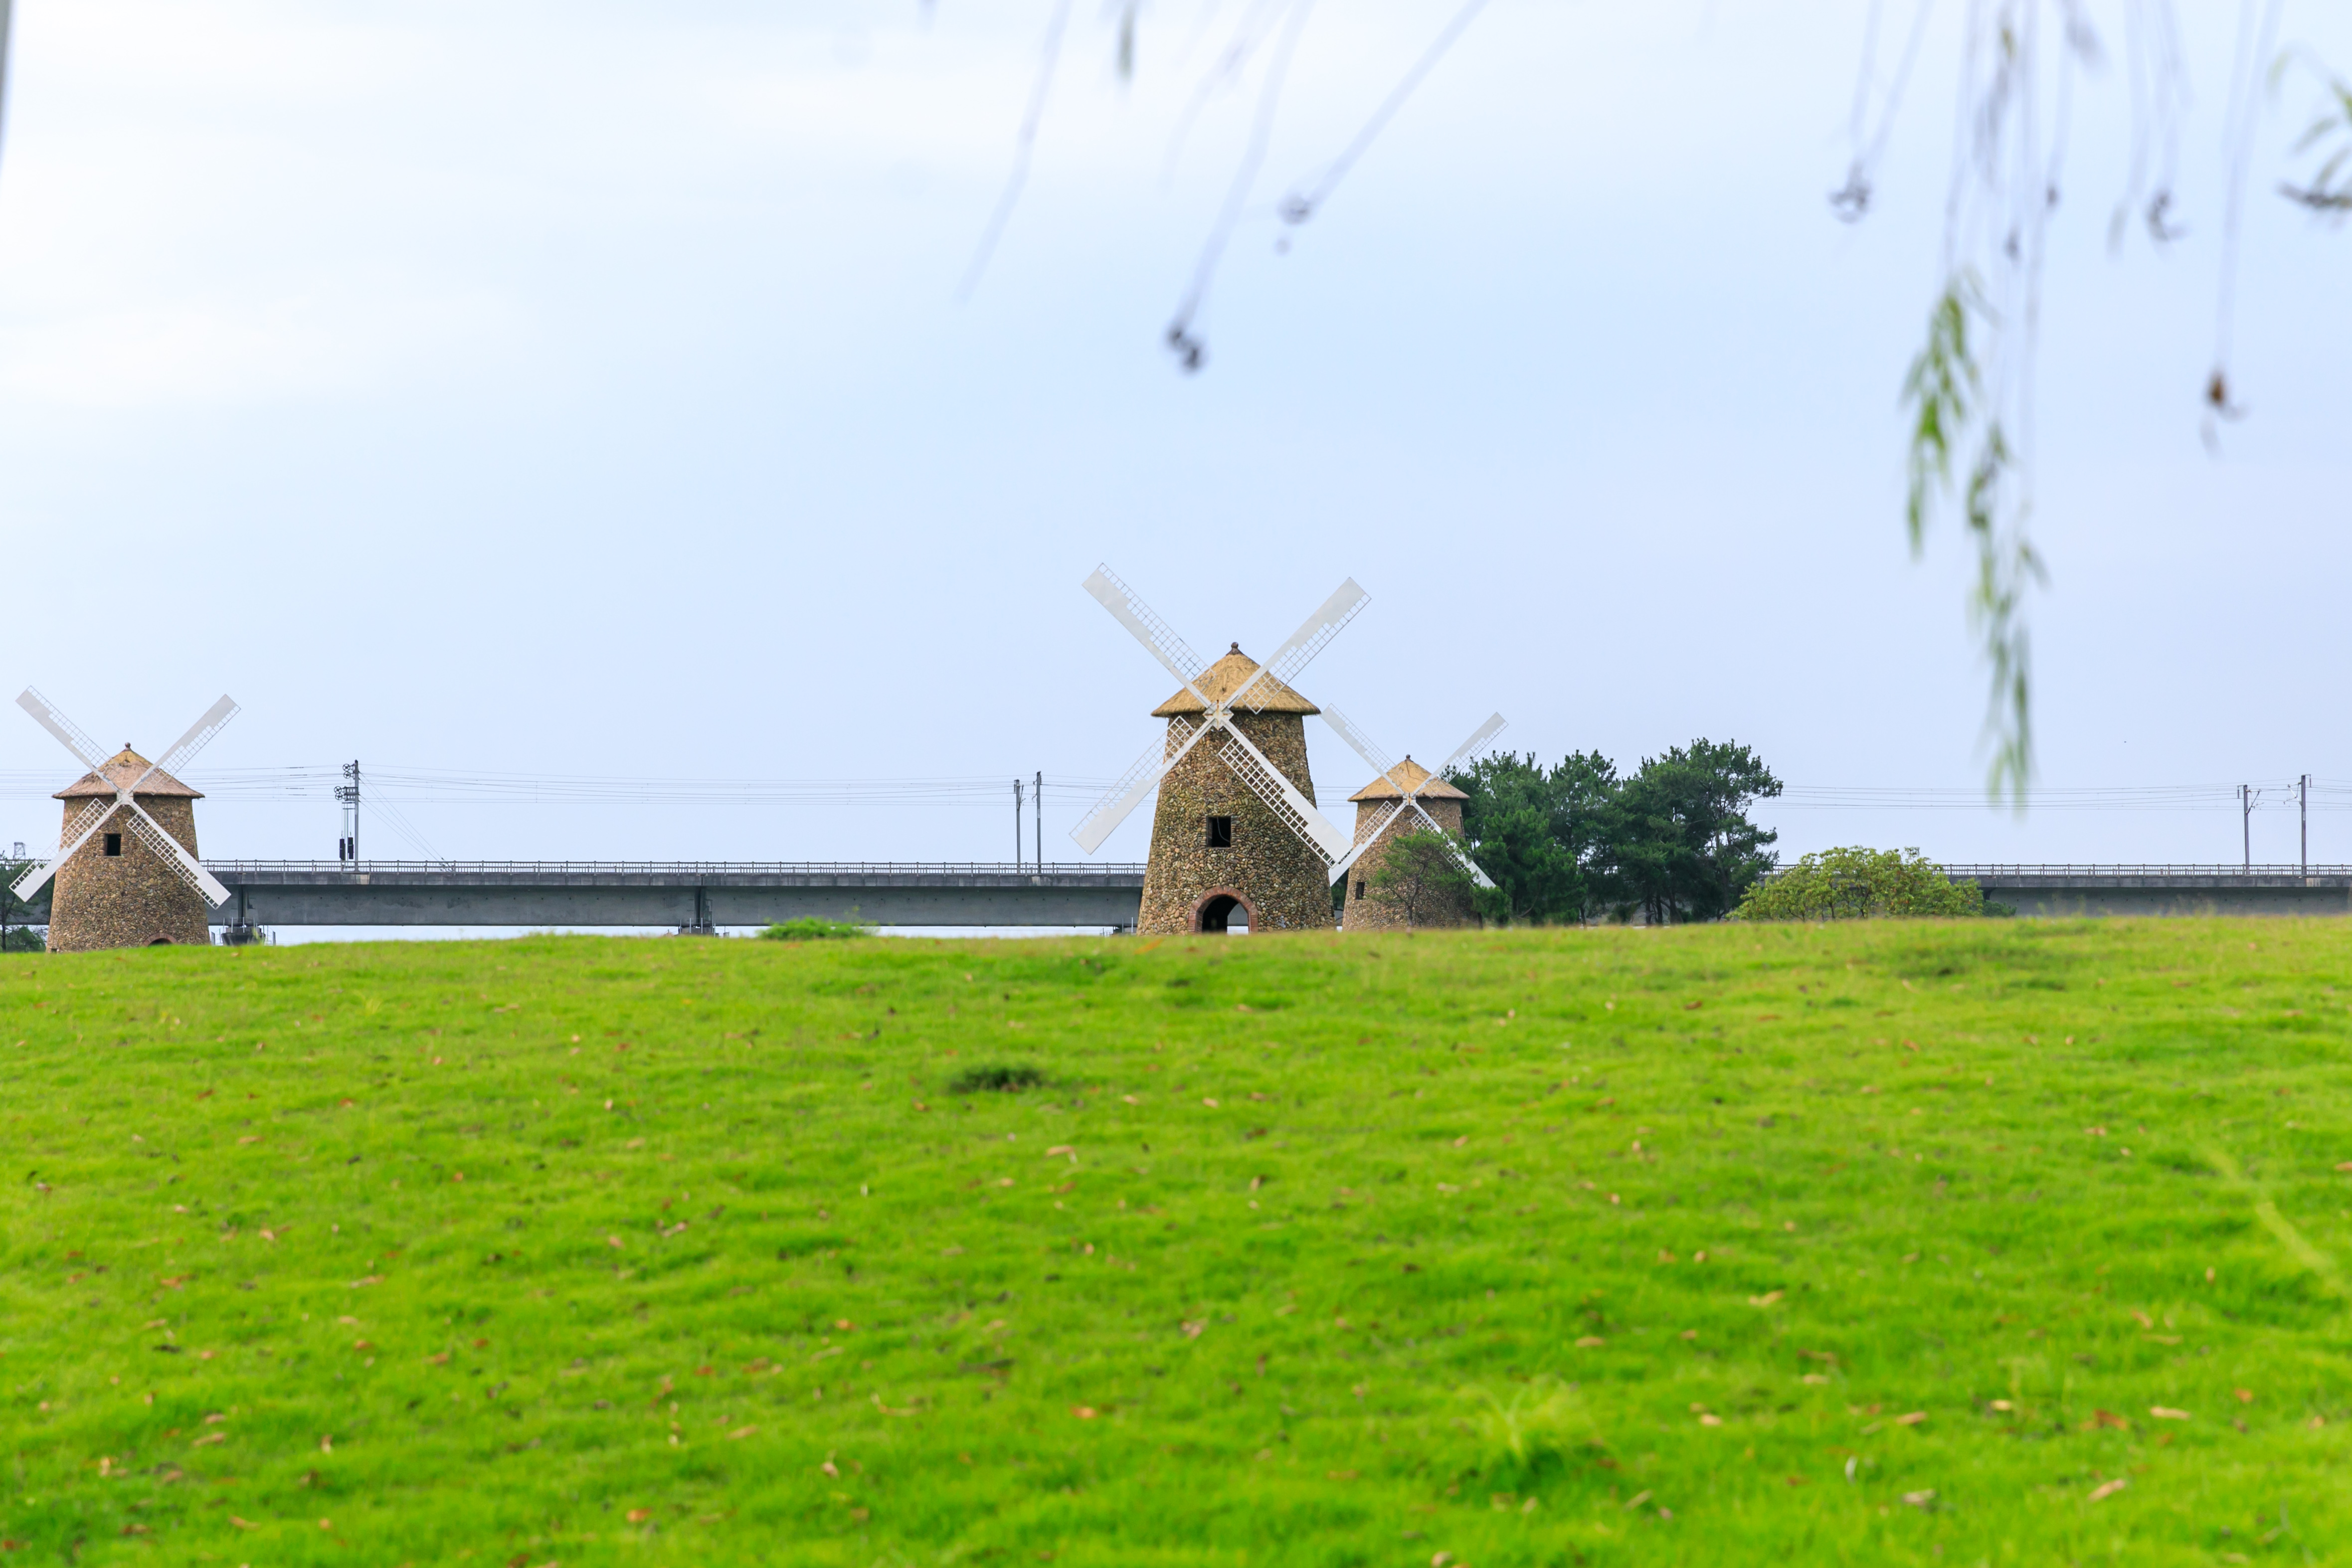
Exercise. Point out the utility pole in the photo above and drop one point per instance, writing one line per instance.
(1037, 815)
(1017, 824)
(2303, 810)
(349, 794)
(2246, 820)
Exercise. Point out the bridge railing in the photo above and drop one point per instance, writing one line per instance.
(262, 868)
(2119, 869)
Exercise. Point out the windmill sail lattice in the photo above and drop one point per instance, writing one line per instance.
(122, 802)
(1241, 832)
(1160, 640)
(1295, 811)
(1409, 798)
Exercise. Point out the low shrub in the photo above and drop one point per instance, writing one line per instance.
(1858, 883)
(813, 928)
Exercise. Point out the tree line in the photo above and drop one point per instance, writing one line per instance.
(1578, 841)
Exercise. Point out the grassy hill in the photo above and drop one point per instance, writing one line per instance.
(1995, 1241)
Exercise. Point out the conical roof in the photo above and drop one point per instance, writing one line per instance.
(1221, 679)
(124, 767)
(1404, 776)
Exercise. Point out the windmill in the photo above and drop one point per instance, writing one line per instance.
(1236, 826)
(117, 898)
(1404, 797)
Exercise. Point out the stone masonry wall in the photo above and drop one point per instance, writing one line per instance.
(130, 900)
(1281, 877)
(1366, 909)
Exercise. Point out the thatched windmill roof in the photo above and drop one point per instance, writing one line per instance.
(1221, 679)
(1404, 776)
(124, 767)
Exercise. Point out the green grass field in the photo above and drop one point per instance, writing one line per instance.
(2000, 1242)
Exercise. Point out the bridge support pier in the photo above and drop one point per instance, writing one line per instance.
(240, 932)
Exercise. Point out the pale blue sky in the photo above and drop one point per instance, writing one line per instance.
(582, 387)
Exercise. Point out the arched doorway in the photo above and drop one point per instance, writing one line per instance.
(161, 942)
(1221, 911)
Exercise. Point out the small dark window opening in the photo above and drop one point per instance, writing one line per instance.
(114, 843)
(1221, 832)
(1359, 890)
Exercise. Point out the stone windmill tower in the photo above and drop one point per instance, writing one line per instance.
(1236, 839)
(126, 865)
(1379, 823)
(1220, 855)
(115, 891)
(1405, 797)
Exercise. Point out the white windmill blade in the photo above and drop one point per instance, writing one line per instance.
(199, 736)
(1144, 625)
(199, 733)
(1347, 862)
(1399, 805)
(1478, 874)
(1363, 744)
(1134, 786)
(1313, 635)
(1461, 853)
(1297, 811)
(72, 735)
(86, 821)
(78, 833)
(24, 886)
(1494, 726)
(192, 870)
(1485, 732)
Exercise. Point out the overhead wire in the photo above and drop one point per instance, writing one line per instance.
(391, 787)
(428, 786)
(2269, 795)
(384, 810)
(228, 783)
(443, 786)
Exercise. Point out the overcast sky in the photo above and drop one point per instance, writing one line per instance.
(583, 387)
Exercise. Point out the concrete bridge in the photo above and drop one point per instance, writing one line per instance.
(2079, 890)
(700, 895)
(687, 894)
(703, 894)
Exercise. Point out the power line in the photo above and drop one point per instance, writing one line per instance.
(2277, 795)
(410, 786)
(421, 786)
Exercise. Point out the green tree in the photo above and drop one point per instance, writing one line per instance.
(1859, 883)
(17, 918)
(1541, 835)
(1682, 848)
(1422, 878)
